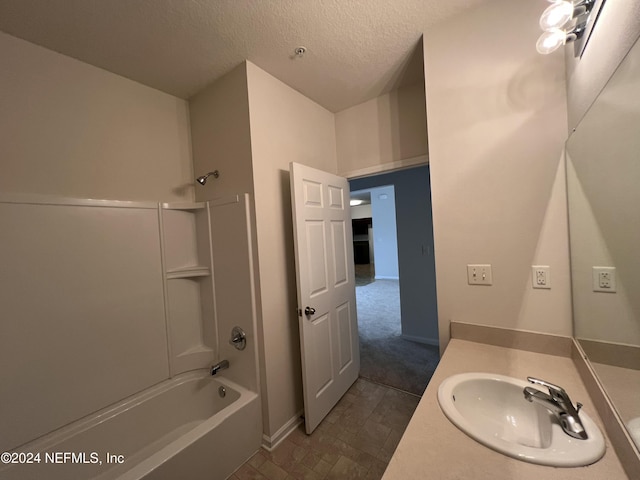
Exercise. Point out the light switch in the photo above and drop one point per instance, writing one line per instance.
(479, 275)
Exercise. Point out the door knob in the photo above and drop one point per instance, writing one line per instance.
(308, 311)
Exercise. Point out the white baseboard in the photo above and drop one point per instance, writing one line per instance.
(384, 277)
(269, 443)
(428, 341)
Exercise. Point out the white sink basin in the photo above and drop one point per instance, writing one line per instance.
(492, 410)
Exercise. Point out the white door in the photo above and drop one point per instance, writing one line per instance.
(326, 289)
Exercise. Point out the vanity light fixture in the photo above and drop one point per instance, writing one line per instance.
(566, 21)
(355, 202)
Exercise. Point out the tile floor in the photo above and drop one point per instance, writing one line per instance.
(355, 441)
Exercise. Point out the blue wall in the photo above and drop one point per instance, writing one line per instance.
(416, 263)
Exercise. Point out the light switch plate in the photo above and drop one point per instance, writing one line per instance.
(479, 275)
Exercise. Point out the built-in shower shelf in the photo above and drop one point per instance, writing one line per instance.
(188, 283)
(188, 272)
(184, 206)
(197, 350)
(198, 356)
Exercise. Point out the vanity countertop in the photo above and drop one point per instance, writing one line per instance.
(432, 447)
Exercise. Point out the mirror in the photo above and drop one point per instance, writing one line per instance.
(603, 185)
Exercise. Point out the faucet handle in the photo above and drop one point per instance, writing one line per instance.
(554, 390)
(238, 338)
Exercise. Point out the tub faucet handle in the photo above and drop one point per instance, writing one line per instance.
(238, 338)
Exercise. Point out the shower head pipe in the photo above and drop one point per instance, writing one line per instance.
(203, 179)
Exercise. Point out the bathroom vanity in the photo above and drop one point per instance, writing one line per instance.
(433, 447)
(604, 221)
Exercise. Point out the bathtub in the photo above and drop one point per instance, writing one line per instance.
(192, 426)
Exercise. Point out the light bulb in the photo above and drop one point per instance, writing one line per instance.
(556, 15)
(551, 40)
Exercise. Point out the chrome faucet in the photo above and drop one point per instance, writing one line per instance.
(558, 403)
(222, 365)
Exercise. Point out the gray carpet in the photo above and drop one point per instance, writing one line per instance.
(385, 357)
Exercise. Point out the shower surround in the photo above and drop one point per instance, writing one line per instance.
(111, 309)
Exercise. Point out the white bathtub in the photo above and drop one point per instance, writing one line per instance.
(181, 428)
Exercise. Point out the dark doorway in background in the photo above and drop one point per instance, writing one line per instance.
(397, 317)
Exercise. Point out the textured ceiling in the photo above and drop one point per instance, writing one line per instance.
(356, 49)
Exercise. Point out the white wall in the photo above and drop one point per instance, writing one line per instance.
(71, 129)
(496, 115)
(221, 137)
(385, 238)
(285, 127)
(389, 129)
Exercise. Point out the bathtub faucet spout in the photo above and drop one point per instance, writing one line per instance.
(224, 364)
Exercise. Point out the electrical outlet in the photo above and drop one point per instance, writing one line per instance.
(540, 276)
(604, 279)
(479, 275)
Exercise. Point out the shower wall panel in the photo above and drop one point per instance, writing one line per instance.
(82, 320)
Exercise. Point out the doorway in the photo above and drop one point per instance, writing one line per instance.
(362, 225)
(397, 315)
